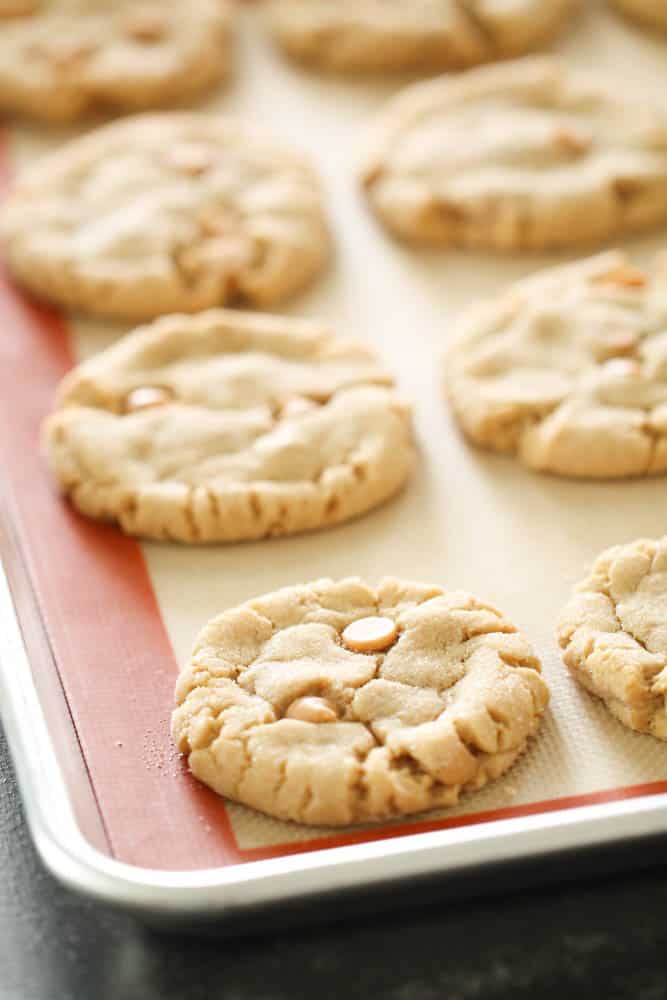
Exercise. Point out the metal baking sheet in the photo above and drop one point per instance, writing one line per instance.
(94, 625)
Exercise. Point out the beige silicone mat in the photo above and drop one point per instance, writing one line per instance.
(467, 520)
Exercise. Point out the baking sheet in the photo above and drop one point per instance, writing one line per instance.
(121, 616)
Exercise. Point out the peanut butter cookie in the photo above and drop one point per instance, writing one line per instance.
(526, 155)
(61, 59)
(568, 370)
(228, 426)
(613, 633)
(336, 703)
(388, 35)
(163, 213)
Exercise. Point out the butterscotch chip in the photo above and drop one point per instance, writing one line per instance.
(135, 246)
(146, 24)
(568, 370)
(228, 459)
(381, 35)
(318, 710)
(146, 396)
(624, 275)
(613, 633)
(448, 707)
(571, 141)
(61, 60)
(491, 159)
(370, 634)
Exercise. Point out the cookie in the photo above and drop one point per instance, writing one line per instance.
(336, 702)
(568, 370)
(60, 60)
(613, 633)
(227, 426)
(166, 213)
(388, 35)
(527, 155)
(649, 12)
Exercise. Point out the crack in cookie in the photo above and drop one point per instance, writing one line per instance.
(447, 707)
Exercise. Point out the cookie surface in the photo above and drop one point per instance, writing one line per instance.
(412, 34)
(229, 426)
(650, 12)
(60, 59)
(166, 213)
(279, 710)
(568, 370)
(613, 633)
(526, 155)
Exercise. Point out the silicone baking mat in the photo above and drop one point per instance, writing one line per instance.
(120, 616)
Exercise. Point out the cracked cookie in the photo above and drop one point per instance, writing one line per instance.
(380, 35)
(164, 213)
(526, 155)
(229, 426)
(652, 13)
(568, 370)
(285, 707)
(61, 59)
(613, 633)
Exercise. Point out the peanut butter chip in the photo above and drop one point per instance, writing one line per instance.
(312, 710)
(630, 277)
(370, 635)
(145, 24)
(620, 342)
(144, 397)
(570, 142)
(622, 367)
(189, 158)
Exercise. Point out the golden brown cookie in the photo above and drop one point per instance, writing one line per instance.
(568, 370)
(164, 213)
(336, 702)
(527, 155)
(613, 633)
(61, 59)
(229, 426)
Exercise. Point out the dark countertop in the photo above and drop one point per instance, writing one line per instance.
(595, 938)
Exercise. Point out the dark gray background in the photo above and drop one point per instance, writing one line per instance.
(602, 938)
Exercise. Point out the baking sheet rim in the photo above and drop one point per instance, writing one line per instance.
(74, 861)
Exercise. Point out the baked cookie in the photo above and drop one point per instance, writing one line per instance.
(568, 370)
(378, 35)
(61, 59)
(334, 702)
(164, 213)
(527, 155)
(227, 426)
(613, 634)
(650, 12)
